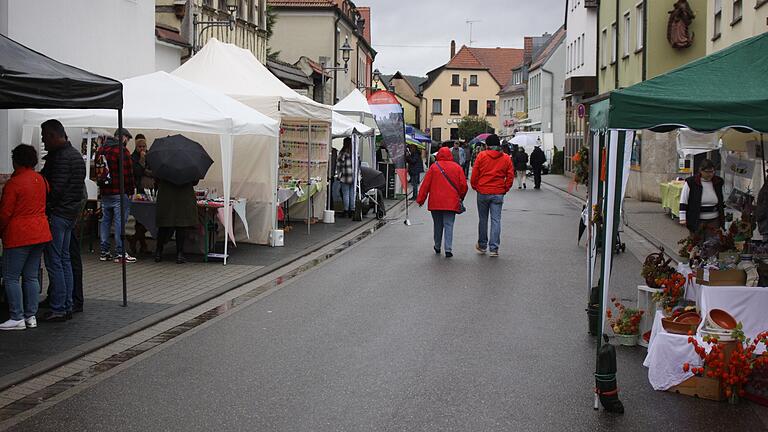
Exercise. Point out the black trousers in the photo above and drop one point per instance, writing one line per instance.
(537, 177)
(164, 235)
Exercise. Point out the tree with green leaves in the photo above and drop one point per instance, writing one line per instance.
(271, 20)
(472, 126)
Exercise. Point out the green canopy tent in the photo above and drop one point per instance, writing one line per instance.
(726, 89)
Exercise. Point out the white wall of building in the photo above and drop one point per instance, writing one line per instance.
(581, 40)
(115, 38)
(167, 57)
(545, 90)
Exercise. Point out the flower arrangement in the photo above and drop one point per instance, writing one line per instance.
(732, 367)
(690, 247)
(740, 230)
(655, 268)
(581, 166)
(626, 321)
(672, 290)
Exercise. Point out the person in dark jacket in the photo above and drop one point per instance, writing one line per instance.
(520, 160)
(345, 174)
(537, 162)
(143, 180)
(701, 201)
(761, 210)
(24, 230)
(176, 212)
(114, 206)
(446, 186)
(64, 171)
(415, 168)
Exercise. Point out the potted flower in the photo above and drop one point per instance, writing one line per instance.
(731, 363)
(672, 290)
(581, 166)
(625, 323)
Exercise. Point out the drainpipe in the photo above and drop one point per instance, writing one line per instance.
(645, 39)
(335, 55)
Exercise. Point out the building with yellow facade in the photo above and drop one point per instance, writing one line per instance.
(468, 85)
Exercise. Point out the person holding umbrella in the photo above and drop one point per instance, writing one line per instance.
(178, 164)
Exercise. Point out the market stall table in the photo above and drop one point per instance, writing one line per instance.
(667, 352)
(145, 212)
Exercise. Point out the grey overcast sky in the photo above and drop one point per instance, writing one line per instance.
(414, 36)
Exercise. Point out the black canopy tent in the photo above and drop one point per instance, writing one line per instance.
(29, 79)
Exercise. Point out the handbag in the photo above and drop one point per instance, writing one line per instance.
(462, 209)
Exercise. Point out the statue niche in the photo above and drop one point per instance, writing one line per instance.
(678, 26)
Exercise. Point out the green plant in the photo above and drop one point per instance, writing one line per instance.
(271, 20)
(472, 126)
(558, 162)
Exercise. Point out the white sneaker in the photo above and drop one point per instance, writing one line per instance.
(13, 325)
(493, 254)
(31, 322)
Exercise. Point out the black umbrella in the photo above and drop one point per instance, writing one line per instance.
(178, 159)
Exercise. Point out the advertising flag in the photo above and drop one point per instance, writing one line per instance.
(388, 114)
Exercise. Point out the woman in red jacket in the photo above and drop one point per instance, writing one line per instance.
(446, 186)
(24, 231)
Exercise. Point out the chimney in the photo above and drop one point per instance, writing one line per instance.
(527, 49)
(453, 48)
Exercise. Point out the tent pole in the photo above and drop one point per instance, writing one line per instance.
(309, 164)
(762, 153)
(123, 203)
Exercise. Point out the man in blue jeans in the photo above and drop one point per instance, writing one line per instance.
(492, 177)
(114, 206)
(65, 172)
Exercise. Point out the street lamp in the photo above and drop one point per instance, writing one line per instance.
(346, 52)
(197, 35)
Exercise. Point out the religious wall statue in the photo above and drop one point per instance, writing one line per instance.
(678, 27)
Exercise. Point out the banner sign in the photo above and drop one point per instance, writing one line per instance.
(388, 114)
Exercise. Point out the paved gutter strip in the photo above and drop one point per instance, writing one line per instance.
(17, 377)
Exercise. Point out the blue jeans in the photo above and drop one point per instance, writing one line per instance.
(348, 196)
(489, 204)
(59, 264)
(443, 223)
(22, 263)
(110, 211)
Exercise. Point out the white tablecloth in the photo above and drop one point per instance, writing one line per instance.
(746, 304)
(667, 353)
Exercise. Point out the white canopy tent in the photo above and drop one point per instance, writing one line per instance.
(236, 72)
(159, 104)
(344, 126)
(355, 106)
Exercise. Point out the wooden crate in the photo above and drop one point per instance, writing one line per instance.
(701, 387)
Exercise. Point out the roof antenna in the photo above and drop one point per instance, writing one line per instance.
(470, 22)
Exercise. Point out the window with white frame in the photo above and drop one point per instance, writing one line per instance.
(614, 42)
(718, 19)
(737, 11)
(604, 47)
(627, 32)
(640, 24)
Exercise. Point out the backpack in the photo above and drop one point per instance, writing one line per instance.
(103, 176)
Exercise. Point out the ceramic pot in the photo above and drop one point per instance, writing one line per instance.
(626, 340)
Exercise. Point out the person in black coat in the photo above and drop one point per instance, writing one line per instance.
(537, 161)
(701, 201)
(520, 161)
(415, 168)
(64, 171)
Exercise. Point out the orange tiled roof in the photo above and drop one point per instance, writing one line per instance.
(499, 62)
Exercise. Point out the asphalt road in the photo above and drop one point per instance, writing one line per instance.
(387, 336)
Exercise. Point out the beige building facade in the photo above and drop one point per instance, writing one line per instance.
(468, 85)
(317, 30)
(731, 21)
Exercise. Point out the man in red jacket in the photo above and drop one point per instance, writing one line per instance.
(492, 176)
